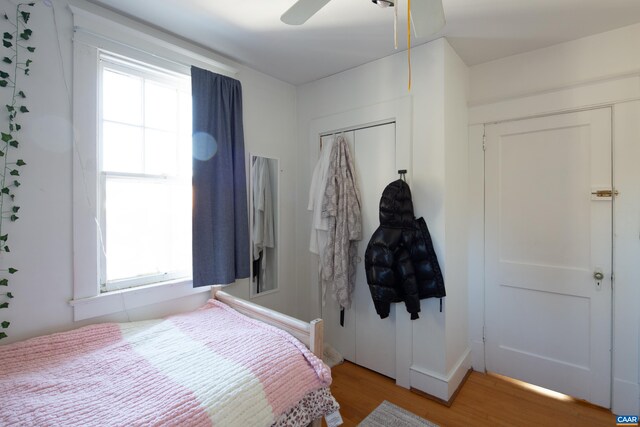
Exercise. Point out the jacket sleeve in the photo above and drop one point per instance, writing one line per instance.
(379, 263)
(408, 281)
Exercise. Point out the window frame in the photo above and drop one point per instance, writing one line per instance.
(97, 29)
(131, 66)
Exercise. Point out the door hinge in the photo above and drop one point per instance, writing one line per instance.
(484, 339)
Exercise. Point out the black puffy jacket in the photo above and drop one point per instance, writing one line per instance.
(400, 262)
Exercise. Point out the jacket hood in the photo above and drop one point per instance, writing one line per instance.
(396, 207)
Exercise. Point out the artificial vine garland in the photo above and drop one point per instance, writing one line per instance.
(14, 43)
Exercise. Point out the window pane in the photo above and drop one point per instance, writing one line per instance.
(160, 152)
(121, 97)
(161, 106)
(122, 148)
(148, 227)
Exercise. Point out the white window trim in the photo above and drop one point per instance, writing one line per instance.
(98, 29)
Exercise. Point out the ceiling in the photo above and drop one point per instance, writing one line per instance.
(348, 33)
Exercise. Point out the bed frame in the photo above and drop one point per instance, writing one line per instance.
(310, 333)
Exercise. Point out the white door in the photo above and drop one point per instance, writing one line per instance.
(366, 339)
(548, 314)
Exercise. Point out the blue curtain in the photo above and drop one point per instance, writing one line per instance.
(220, 215)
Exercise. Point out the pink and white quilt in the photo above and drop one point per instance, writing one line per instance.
(213, 366)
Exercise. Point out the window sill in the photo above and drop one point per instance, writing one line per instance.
(127, 299)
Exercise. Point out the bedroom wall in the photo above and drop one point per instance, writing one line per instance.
(41, 241)
(603, 69)
(437, 179)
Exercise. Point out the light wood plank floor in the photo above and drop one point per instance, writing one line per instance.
(484, 400)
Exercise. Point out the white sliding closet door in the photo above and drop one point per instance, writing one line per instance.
(366, 339)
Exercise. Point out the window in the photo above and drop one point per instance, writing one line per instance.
(145, 202)
(131, 163)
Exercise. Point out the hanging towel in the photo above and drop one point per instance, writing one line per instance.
(341, 207)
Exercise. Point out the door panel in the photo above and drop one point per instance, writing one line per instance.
(366, 339)
(375, 153)
(547, 319)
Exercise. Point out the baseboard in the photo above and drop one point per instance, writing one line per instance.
(442, 389)
(625, 399)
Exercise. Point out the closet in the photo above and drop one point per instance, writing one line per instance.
(365, 339)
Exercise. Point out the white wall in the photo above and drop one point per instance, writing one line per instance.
(439, 146)
(594, 71)
(41, 241)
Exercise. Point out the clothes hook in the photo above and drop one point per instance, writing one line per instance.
(402, 173)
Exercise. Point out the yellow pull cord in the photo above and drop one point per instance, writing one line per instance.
(409, 39)
(395, 25)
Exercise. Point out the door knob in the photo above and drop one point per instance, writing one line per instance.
(598, 275)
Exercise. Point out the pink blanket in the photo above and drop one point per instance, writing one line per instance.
(210, 367)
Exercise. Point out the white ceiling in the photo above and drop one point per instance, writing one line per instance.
(348, 33)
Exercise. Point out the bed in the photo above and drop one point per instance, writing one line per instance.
(230, 363)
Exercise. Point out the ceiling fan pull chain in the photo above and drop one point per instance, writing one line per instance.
(409, 39)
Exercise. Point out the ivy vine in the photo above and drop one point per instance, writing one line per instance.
(12, 67)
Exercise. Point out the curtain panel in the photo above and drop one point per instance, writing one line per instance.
(220, 214)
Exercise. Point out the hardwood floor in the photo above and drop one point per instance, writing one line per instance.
(484, 400)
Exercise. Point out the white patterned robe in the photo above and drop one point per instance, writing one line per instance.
(341, 206)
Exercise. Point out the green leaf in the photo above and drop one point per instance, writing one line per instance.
(26, 71)
(2, 335)
(12, 196)
(7, 36)
(5, 190)
(18, 127)
(21, 93)
(28, 32)
(10, 107)
(31, 49)
(12, 270)
(14, 218)
(7, 43)
(20, 162)
(25, 16)
(6, 16)
(23, 109)
(4, 75)
(6, 249)
(27, 64)
(4, 305)
(31, 4)
(3, 83)
(4, 282)
(14, 143)
(15, 209)
(14, 172)
(1, 153)
(7, 60)
(17, 184)
(6, 137)
(5, 324)
(9, 295)
(4, 238)
(11, 128)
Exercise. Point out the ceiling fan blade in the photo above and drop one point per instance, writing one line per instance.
(301, 11)
(427, 17)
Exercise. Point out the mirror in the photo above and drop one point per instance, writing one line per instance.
(264, 224)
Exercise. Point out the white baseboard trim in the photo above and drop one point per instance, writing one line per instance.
(438, 385)
(626, 397)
